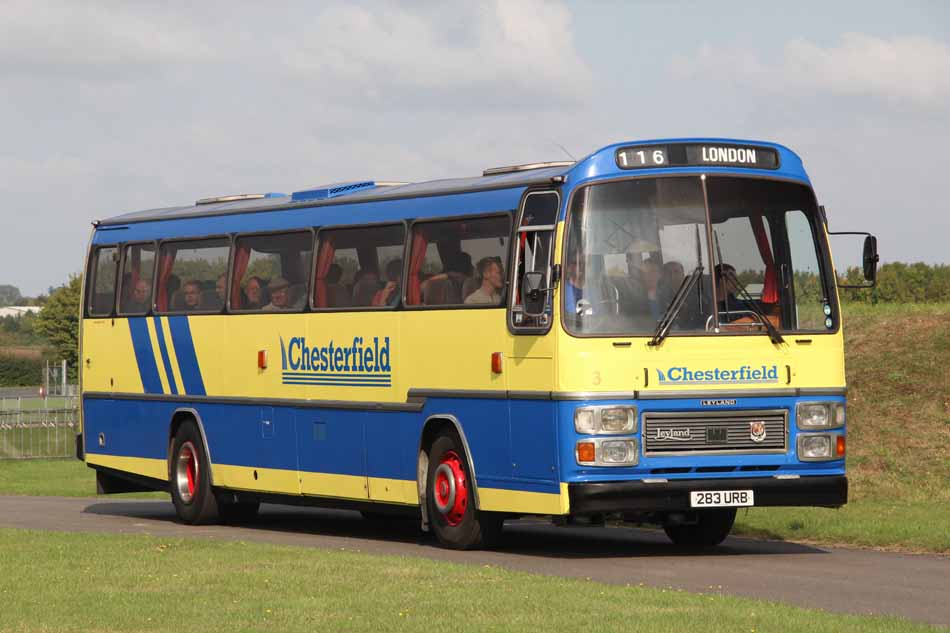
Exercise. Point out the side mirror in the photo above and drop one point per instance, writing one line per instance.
(533, 293)
(869, 256)
(870, 259)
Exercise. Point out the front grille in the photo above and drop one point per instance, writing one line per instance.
(714, 432)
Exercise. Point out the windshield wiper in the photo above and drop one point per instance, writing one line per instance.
(754, 308)
(676, 303)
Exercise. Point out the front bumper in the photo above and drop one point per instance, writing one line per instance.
(636, 496)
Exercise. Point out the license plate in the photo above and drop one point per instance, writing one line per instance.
(720, 498)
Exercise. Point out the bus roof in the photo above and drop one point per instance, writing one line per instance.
(602, 163)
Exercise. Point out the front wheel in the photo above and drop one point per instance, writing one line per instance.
(190, 478)
(711, 528)
(450, 502)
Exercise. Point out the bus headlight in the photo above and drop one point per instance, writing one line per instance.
(819, 415)
(817, 447)
(606, 420)
(607, 452)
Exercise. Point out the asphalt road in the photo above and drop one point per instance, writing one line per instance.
(840, 580)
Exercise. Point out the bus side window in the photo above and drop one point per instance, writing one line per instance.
(270, 272)
(135, 291)
(533, 250)
(459, 262)
(101, 288)
(359, 268)
(191, 276)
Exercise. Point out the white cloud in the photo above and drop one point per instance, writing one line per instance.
(497, 53)
(88, 41)
(908, 70)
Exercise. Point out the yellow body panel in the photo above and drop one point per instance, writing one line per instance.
(109, 358)
(256, 479)
(498, 500)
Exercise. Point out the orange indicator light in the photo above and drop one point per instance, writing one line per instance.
(262, 359)
(840, 446)
(585, 452)
(496, 358)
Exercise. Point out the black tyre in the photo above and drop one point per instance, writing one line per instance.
(450, 501)
(238, 511)
(190, 478)
(711, 528)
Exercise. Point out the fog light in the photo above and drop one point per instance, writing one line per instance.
(618, 452)
(814, 447)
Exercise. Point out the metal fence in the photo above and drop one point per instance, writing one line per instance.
(33, 428)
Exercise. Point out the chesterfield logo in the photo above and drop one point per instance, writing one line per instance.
(745, 375)
(364, 363)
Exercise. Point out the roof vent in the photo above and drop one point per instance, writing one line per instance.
(495, 171)
(240, 196)
(335, 190)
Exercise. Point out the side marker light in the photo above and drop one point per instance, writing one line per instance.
(262, 359)
(496, 362)
(839, 446)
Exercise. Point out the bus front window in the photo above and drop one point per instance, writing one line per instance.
(631, 244)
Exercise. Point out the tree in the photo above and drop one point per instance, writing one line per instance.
(59, 320)
(9, 295)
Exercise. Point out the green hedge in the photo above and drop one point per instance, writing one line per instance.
(17, 371)
(898, 282)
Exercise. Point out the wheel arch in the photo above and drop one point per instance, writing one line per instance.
(430, 430)
(179, 417)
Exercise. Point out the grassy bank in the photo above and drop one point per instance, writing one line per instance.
(898, 370)
(203, 585)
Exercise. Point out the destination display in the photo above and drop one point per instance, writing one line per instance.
(693, 154)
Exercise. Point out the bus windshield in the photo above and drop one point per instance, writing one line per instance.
(752, 242)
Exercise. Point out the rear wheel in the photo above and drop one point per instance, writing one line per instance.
(190, 475)
(711, 528)
(450, 500)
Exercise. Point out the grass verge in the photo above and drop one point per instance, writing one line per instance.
(203, 585)
(898, 372)
(54, 477)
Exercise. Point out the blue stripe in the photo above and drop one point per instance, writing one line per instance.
(191, 379)
(160, 335)
(324, 381)
(144, 356)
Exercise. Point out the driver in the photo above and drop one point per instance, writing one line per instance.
(731, 306)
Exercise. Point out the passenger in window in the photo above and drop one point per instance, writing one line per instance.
(221, 289)
(191, 292)
(279, 289)
(138, 302)
(254, 294)
(446, 287)
(650, 275)
(587, 293)
(337, 295)
(493, 280)
(365, 287)
(731, 307)
(389, 294)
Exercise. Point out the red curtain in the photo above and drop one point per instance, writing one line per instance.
(770, 289)
(416, 258)
(242, 255)
(324, 261)
(165, 264)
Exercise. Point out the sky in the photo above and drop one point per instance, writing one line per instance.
(112, 107)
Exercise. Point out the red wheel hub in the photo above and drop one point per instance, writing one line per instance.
(451, 491)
